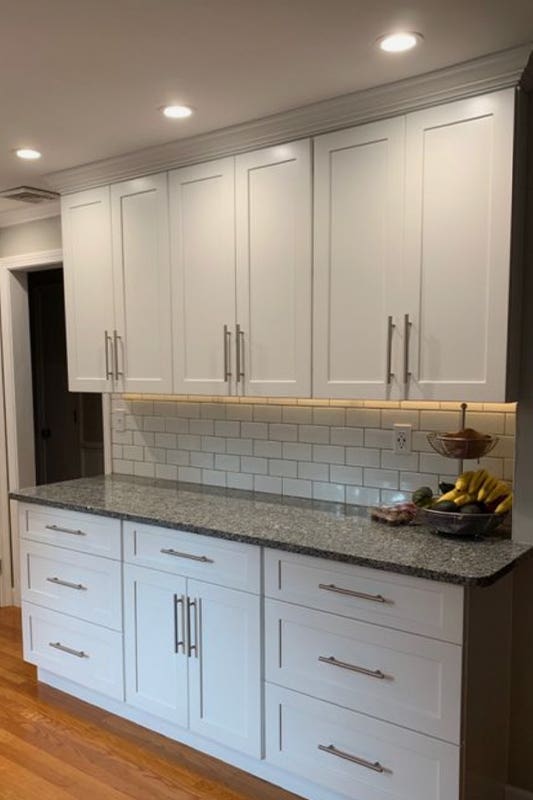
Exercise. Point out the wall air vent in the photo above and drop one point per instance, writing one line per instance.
(29, 194)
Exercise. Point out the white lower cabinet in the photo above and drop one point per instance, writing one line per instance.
(335, 681)
(193, 656)
(354, 755)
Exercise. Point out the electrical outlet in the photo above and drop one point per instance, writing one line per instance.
(401, 439)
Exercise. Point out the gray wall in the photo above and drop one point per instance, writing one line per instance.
(29, 237)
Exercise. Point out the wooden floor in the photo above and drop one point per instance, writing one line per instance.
(53, 747)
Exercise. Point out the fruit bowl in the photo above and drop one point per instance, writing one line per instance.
(461, 447)
(452, 523)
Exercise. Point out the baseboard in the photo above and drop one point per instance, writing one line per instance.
(512, 793)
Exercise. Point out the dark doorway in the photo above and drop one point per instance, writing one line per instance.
(68, 425)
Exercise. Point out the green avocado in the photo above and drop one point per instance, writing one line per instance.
(423, 497)
(472, 508)
(446, 505)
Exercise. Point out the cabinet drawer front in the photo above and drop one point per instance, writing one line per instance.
(357, 756)
(397, 601)
(87, 587)
(409, 680)
(86, 533)
(82, 652)
(214, 560)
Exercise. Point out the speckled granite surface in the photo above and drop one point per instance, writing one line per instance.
(341, 533)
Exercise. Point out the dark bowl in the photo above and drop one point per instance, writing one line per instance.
(457, 524)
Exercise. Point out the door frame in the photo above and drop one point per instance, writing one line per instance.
(17, 466)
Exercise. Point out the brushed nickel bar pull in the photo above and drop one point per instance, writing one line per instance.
(192, 643)
(68, 584)
(179, 610)
(57, 529)
(375, 598)
(69, 650)
(168, 551)
(375, 766)
(116, 339)
(390, 329)
(372, 673)
(406, 331)
(239, 350)
(227, 352)
(108, 372)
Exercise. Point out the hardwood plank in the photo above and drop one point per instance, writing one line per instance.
(55, 747)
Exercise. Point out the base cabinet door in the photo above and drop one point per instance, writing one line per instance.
(155, 650)
(225, 667)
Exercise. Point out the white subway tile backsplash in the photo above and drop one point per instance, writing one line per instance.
(297, 488)
(202, 460)
(310, 470)
(334, 492)
(362, 457)
(389, 497)
(313, 434)
(407, 461)
(363, 417)
(347, 436)
(380, 478)
(297, 451)
(254, 430)
(347, 475)
(340, 451)
(281, 468)
(262, 483)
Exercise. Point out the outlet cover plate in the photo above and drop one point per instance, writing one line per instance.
(401, 439)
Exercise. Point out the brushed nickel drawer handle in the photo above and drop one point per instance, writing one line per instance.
(108, 371)
(374, 598)
(372, 673)
(192, 642)
(70, 585)
(390, 331)
(375, 766)
(57, 529)
(116, 340)
(227, 351)
(239, 351)
(179, 640)
(407, 325)
(69, 650)
(168, 551)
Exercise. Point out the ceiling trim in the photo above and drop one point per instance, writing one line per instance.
(488, 73)
(39, 258)
(17, 216)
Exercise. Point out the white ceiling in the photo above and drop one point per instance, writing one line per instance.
(82, 80)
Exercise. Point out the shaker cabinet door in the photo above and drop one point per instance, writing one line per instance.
(142, 342)
(154, 627)
(359, 177)
(273, 200)
(88, 276)
(458, 201)
(202, 238)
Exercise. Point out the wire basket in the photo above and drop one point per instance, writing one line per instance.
(459, 447)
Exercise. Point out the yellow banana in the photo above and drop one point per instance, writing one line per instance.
(500, 490)
(463, 480)
(487, 487)
(463, 499)
(505, 505)
(477, 480)
(448, 496)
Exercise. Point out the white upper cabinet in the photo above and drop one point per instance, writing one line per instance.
(86, 222)
(459, 164)
(359, 176)
(202, 236)
(142, 336)
(273, 202)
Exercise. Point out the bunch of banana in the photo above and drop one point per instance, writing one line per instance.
(479, 486)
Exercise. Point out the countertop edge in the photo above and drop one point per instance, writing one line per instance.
(362, 561)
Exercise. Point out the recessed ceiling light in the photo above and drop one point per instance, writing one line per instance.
(28, 153)
(177, 112)
(399, 42)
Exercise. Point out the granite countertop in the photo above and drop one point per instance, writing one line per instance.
(328, 530)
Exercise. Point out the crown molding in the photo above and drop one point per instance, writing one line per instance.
(17, 216)
(39, 258)
(489, 73)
